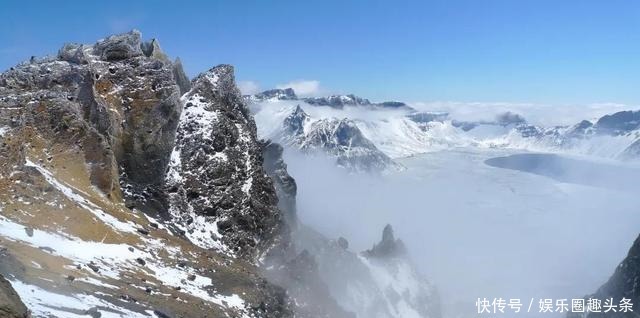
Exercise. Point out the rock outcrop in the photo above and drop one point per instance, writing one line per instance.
(624, 283)
(388, 247)
(285, 185)
(217, 185)
(89, 205)
(10, 304)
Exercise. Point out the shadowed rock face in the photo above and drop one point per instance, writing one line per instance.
(285, 185)
(10, 304)
(624, 283)
(120, 103)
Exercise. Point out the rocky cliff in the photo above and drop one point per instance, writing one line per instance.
(10, 304)
(624, 283)
(220, 195)
(127, 190)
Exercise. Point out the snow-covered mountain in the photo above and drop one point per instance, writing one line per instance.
(392, 133)
(333, 101)
(340, 138)
(127, 190)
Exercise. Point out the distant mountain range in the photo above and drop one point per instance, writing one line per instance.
(366, 136)
(333, 101)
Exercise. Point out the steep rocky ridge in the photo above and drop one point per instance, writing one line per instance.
(127, 190)
(87, 221)
(285, 185)
(217, 186)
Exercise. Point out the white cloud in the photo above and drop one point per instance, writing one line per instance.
(248, 87)
(303, 87)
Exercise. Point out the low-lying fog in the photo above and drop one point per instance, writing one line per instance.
(479, 230)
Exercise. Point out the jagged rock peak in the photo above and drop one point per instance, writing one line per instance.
(340, 138)
(181, 77)
(387, 234)
(218, 82)
(120, 46)
(219, 77)
(299, 110)
(388, 246)
(294, 123)
(114, 48)
(216, 175)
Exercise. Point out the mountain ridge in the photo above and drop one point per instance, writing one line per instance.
(399, 133)
(128, 191)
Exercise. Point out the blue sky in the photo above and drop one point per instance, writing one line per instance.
(534, 51)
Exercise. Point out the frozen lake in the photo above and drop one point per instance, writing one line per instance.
(485, 223)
